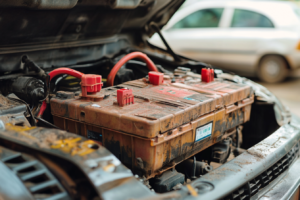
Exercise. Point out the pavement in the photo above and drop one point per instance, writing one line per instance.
(288, 92)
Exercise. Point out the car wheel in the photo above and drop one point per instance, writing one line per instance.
(272, 69)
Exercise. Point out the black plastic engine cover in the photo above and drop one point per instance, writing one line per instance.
(167, 181)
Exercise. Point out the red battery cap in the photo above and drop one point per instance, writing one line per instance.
(90, 84)
(156, 78)
(207, 75)
(125, 97)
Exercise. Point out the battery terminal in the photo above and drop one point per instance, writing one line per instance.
(125, 97)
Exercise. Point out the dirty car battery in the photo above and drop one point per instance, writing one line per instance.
(167, 122)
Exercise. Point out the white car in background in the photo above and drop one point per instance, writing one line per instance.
(252, 38)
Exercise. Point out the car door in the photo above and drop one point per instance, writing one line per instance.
(197, 35)
(247, 31)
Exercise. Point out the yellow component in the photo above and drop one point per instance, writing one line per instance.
(65, 143)
(85, 148)
(11, 127)
(298, 46)
(70, 145)
(192, 190)
(21, 130)
(74, 147)
(109, 168)
(70, 78)
(104, 79)
(73, 83)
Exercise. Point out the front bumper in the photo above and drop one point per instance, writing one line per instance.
(286, 187)
(268, 170)
(255, 172)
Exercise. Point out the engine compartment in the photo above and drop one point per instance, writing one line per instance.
(135, 146)
(152, 126)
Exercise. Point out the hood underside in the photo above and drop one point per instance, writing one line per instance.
(55, 21)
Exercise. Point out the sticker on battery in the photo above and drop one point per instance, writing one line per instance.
(203, 132)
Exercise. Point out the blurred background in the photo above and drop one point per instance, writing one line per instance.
(256, 39)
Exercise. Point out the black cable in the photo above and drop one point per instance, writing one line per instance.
(47, 123)
(29, 64)
(28, 108)
(169, 49)
(187, 176)
(237, 149)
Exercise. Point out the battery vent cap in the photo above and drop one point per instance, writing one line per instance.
(207, 75)
(156, 78)
(90, 84)
(125, 97)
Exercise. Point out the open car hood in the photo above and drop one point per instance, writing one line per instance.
(55, 21)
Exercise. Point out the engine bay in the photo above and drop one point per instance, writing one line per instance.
(89, 109)
(167, 125)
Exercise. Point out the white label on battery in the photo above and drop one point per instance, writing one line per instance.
(203, 132)
(96, 105)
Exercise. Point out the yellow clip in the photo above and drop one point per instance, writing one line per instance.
(192, 190)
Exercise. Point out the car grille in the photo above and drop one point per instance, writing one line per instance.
(35, 176)
(253, 186)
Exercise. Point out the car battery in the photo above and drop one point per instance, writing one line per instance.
(154, 123)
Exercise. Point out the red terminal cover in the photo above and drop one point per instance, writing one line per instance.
(156, 78)
(125, 97)
(90, 84)
(207, 75)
